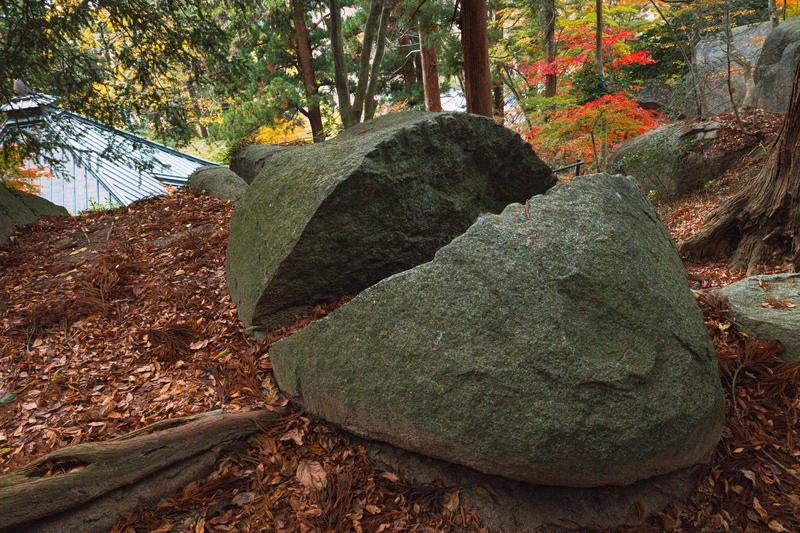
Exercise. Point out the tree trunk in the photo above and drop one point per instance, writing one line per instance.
(408, 69)
(773, 12)
(475, 47)
(762, 220)
(547, 20)
(307, 70)
(86, 487)
(498, 97)
(430, 71)
(197, 112)
(370, 104)
(339, 65)
(371, 25)
(598, 39)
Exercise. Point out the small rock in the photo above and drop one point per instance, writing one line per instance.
(768, 307)
(219, 182)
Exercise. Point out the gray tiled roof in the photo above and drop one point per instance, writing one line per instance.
(129, 167)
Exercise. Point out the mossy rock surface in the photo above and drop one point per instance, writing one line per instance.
(671, 160)
(774, 73)
(219, 182)
(251, 160)
(327, 220)
(556, 345)
(768, 307)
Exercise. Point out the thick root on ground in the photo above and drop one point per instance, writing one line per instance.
(88, 486)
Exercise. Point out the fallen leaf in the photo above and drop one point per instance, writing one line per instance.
(774, 525)
(294, 434)
(8, 398)
(451, 501)
(311, 475)
(750, 475)
(243, 498)
(760, 509)
(390, 476)
(199, 345)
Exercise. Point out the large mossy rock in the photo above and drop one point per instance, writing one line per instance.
(18, 208)
(219, 182)
(768, 307)
(556, 345)
(328, 220)
(774, 72)
(251, 160)
(670, 160)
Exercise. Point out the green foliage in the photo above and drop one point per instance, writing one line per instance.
(588, 86)
(121, 61)
(101, 207)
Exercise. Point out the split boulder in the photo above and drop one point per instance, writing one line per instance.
(768, 307)
(327, 220)
(555, 344)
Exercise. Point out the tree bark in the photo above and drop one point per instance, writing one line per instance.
(201, 128)
(762, 220)
(408, 69)
(773, 13)
(547, 20)
(430, 70)
(370, 104)
(498, 97)
(475, 47)
(339, 65)
(86, 487)
(371, 25)
(307, 70)
(598, 39)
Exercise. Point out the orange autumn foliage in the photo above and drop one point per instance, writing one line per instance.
(591, 131)
(16, 174)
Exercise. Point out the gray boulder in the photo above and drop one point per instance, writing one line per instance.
(250, 160)
(671, 160)
(328, 220)
(775, 69)
(556, 345)
(762, 305)
(18, 208)
(711, 64)
(219, 182)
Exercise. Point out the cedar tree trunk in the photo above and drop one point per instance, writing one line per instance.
(408, 69)
(307, 69)
(430, 70)
(475, 46)
(339, 65)
(762, 220)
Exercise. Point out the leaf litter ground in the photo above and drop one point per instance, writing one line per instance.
(111, 321)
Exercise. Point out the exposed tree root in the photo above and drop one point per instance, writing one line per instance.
(86, 487)
(762, 220)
